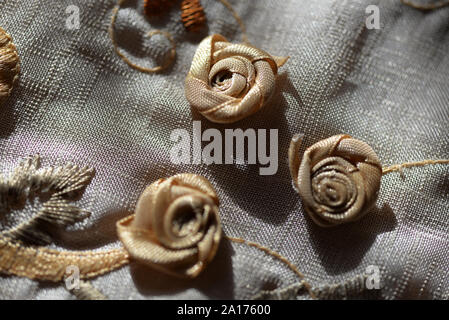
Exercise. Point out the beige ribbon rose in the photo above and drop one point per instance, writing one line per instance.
(176, 227)
(338, 178)
(9, 65)
(228, 82)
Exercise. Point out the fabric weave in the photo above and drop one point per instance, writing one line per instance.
(77, 101)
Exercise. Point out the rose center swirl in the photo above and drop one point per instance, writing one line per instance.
(186, 222)
(232, 76)
(333, 188)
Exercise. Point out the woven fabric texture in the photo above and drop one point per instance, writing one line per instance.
(77, 101)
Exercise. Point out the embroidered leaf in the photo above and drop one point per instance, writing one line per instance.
(63, 183)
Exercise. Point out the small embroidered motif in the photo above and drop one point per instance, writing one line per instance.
(228, 82)
(176, 227)
(63, 184)
(156, 7)
(169, 60)
(192, 15)
(9, 65)
(87, 291)
(426, 6)
(338, 178)
(342, 290)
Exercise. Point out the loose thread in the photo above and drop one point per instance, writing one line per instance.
(238, 19)
(166, 34)
(279, 257)
(399, 167)
(426, 7)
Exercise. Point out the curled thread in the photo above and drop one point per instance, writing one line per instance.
(279, 257)
(192, 15)
(169, 60)
(426, 7)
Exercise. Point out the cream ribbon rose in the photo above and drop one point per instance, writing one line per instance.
(9, 65)
(338, 178)
(176, 227)
(228, 82)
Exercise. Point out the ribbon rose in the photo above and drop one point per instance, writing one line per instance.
(176, 228)
(9, 65)
(228, 82)
(338, 178)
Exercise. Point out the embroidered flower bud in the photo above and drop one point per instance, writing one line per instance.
(228, 82)
(338, 179)
(9, 65)
(176, 227)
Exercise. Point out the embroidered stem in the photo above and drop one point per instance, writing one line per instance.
(87, 291)
(238, 19)
(399, 167)
(164, 66)
(426, 7)
(279, 257)
(48, 264)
